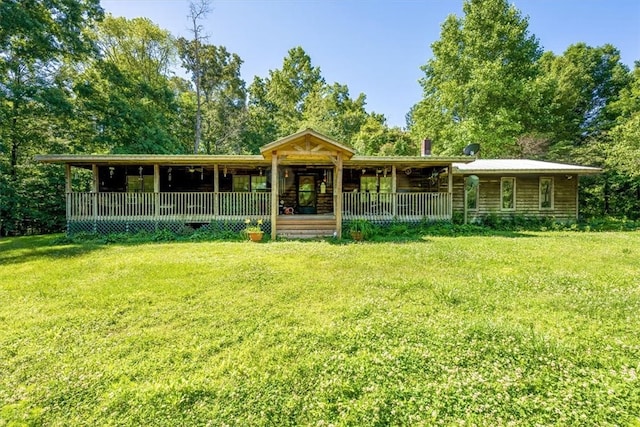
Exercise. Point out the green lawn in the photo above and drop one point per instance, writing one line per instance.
(529, 329)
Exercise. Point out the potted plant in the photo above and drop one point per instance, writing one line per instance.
(253, 231)
(360, 229)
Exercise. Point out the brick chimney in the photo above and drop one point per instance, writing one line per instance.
(425, 148)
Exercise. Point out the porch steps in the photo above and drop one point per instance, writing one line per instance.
(305, 226)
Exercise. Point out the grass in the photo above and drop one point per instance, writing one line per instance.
(536, 328)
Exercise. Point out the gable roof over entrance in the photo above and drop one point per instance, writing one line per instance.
(306, 145)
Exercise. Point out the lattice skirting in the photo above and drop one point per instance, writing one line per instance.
(109, 227)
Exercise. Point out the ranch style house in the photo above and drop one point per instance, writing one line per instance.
(308, 185)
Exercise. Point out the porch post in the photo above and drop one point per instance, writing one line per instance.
(450, 190)
(95, 189)
(67, 189)
(216, 190)
(274, 194)
(464, 201)
(394, 190)
(577, 190)
(338, 193)
(156, 189)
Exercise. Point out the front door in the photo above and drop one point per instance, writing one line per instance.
(307, 194)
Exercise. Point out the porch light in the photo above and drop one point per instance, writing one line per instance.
(224, 172)
(363, 171)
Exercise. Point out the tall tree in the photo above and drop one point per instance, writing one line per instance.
(129, 94)
(296, 97)
(223, 92)
(276, 103)
(36, 38)
(331, 110)
(477, 87)
(576, 88)
(197, 12)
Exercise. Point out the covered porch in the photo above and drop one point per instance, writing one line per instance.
(320, 182)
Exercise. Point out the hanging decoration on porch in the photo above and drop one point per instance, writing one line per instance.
(224, 172)
(140, 170)
(111, 170)
(169, 177)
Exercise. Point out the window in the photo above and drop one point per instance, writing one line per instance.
(140, 184)
(246, 183)
(241, 183)
(546, 193)
(471, 187)
(375, 184)
(258, 183)
(508, 194)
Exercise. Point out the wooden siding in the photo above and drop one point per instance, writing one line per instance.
(527, 197)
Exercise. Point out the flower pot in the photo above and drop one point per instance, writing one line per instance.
(357, 235)
(255, 236)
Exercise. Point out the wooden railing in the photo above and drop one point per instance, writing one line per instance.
(203, 207)
(167, 206)
(401, 206)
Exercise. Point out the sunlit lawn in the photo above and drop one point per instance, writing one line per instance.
(537, 328)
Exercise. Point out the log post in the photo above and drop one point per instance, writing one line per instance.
(274, 194)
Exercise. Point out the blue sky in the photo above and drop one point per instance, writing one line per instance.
(374, 46)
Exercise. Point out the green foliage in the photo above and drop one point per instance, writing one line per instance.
(128, 93)
(297, 97)
(477, 87)
(533, 328)
(361, 227)
(223, 94)
(37, 40)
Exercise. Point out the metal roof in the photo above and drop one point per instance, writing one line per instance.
(522, 166)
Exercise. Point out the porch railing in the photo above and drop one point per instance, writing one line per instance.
(191, 207)
(203, 207)
(401, 206)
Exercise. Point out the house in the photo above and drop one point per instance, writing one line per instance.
(306, 184)
(506, 187)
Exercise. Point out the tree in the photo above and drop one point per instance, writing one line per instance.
(129, 94)
(376, 139)
(329, 109)
(576, 89)
(223, 107)
(296, 97)
(36, 38)
(478, 85)
(197, 11)
(276, 103)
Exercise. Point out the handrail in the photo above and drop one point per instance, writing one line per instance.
(400, 206)
(179, 206)
(202, 207)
